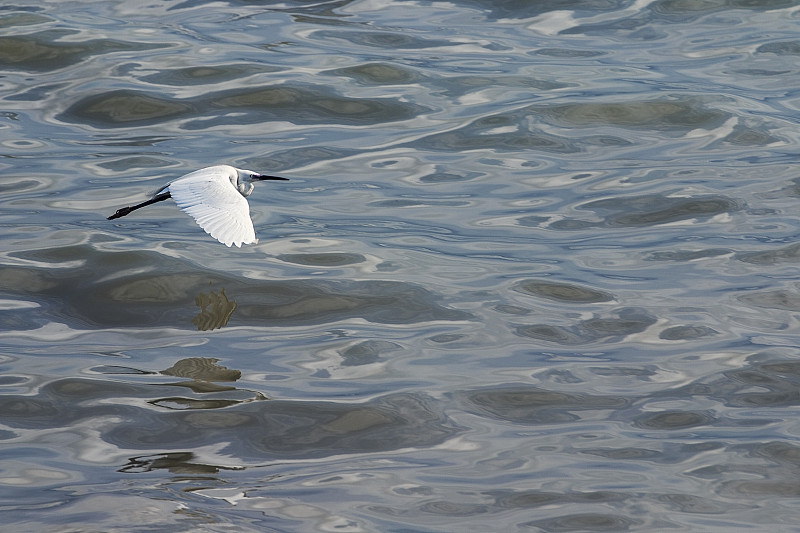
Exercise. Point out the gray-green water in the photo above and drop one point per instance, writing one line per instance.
(536, 268)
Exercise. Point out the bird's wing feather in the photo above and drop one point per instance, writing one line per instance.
(217, 207)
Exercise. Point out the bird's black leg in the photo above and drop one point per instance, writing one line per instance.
(127, 210)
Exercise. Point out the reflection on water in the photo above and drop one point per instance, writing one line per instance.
(536, 268)
(150, 290)
(180, 463)
(202, 369)
(215, 310)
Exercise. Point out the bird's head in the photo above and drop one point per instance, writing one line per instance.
(245, 179)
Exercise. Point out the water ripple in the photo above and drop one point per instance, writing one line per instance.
(535, 266)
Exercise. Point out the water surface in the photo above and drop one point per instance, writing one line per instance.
(535, 268)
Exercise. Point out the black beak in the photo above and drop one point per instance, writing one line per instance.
(260, 177)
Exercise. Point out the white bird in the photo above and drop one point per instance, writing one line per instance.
(215, 198)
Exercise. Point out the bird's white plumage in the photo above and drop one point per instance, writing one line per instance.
(209, 196)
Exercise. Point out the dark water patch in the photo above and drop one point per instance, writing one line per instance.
(208, 74)
(782, 453)
(649, 210)
(377, 74)
(408, 202)
(298, 105)
(367, 352)
(310, 105)
(779, 299)
(331, 259)
(134, 162)
(22, 19)
(669, 420)
(684, 11)
(532, 221)
(628, 322)
(19, 280)
(44, 51)
(562, 292)
(532, 405)
(19, 185)
(760, 72)
(456, 86)
(446, 337)
(626, 454)
(297, 429)
(386, 302)
(454, 509)
(784, 48)
(568, 53)
(686, 332)
(689, 503)
(623, 371)
(293, 429)
(513, 131)
(443, 176)
(567, 224)
(149, 290)
(533, 499)
(64, 402)
(124, 108)
(128, 141)
(383, 39)
(788, 254)
(634, 28)
(791, 368)
(523, 9)
(760, 489)
(746, 136)
(686, 255)
(477, 137)
(773, 384)
(792, 190)
(502, 501)
(585, 522)
(676, 114)
(6, 381)
(547, 333)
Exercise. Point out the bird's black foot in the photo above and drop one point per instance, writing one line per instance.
(120, 213)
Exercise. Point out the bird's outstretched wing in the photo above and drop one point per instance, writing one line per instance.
(211, 199)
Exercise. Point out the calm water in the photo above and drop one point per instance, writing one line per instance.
(536, 268)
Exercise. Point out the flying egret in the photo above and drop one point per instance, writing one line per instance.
(215, 198)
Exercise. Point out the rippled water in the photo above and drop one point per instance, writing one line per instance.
(536, 268)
